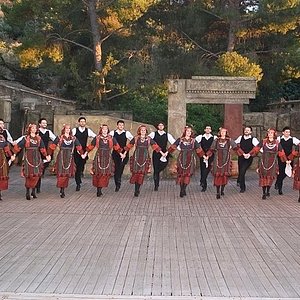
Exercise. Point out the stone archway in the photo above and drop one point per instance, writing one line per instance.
(231, 91)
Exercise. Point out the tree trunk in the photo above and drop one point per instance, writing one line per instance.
(97, 47)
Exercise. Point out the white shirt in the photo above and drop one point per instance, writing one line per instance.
(52, 136)
(171, 139)
(19, 139)
(206, 136)
(9, 138)
(91, 133)
(255, 141)
(128, 135)
(296, 142)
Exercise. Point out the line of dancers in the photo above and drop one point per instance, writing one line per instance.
(278, 156)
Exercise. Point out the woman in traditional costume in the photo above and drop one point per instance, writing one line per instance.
(32, 168)
(103, 164)
(186, 160)
(64, 165)
(221, 167)
(269, 148)
(5, 154)
(140, 161)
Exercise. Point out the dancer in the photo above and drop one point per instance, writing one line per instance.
(5, 153)
(32, 168)
(205, 142)
(65, 165)
(221, 170)
(268, 164)
(47, 136)
(140, 160)
(296, 170)
(122, 136)
(160, 162)
(186, 160)
(246, 142)
(287, 142)
(5, 132)
(82, 133)
(103, 165)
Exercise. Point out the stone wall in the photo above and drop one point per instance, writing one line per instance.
(261, 121)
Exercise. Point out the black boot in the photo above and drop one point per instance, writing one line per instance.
(268, 191)
(156, 185)
(99, 192)
(222, 190)
(118, 186)
(299, 197)
(264, 196)
(136, 190)
(28, 194)
(0, 196)
(156, 181)
(33, 194)
(280, 189)
(38, 186)
(218, 196)
(204, 187)
(62, 192)
(181, 194)
(184, 189)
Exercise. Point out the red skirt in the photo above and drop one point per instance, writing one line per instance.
(101, 181)
(265, 181)
(62, 181)
(181, 179)
(137, 178)
(220, 180)
(296, 185)
(31, 182)
(3, 184)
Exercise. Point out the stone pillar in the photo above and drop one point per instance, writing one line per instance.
(176, 107)
(233, 119)
(5, 109)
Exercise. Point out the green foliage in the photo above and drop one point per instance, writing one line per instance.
(201, 115)
(148, 104)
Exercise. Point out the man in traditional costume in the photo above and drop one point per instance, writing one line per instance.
(122, 136)
(160, 162)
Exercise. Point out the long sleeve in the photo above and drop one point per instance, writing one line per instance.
(78, 146)
(20, 145)
(130, 145)
(154, 146)
(174, 146)
(281, 154)
(92, 145)
(236, 148)
(52, 146)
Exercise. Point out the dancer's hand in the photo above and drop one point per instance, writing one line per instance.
(288, 162)
(48, 158)
(13, 157)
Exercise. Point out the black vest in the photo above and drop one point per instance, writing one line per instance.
(82, 137)
(246, 144)
(287, 146)
(4, 133)
(45, 138)
(121, 138)
(161, 140)
(206, 144)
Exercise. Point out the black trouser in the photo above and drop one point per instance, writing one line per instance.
(80, 163)
(204, 171)
(243, 165)
(45, 166)
(119, 167)
(281, 175)
(158, 166)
